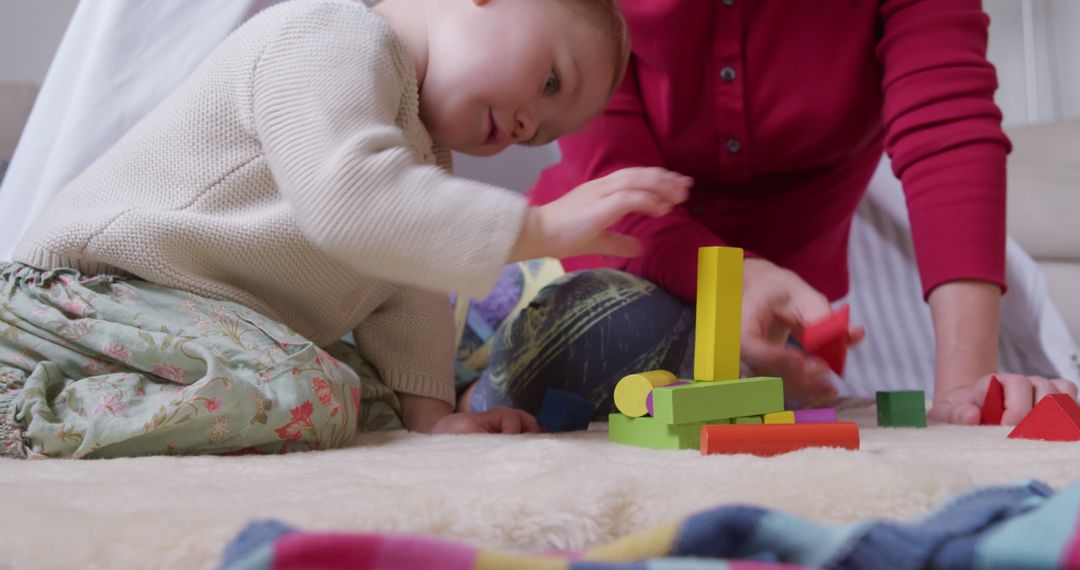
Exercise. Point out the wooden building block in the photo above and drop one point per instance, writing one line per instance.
(565, 411)
(774, 439)
(748, 420)
(828, 338)
(649, 399)
(994, 404)
(1055, 418)
(787, 417)
(648, 432)
(815, 416)
(719, 313)
(632, 390)
(703, 401)
(902, 408)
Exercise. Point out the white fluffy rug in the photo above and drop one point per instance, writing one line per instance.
(544, 492)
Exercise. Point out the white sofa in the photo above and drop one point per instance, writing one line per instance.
(1044, 202)
(1044, 191)
(15, 104)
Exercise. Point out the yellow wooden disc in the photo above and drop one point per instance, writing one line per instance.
(631, 391)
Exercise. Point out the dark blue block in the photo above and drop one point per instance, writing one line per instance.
(565, 411)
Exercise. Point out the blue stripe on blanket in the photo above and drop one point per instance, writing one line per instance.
(1036, 539)
(1008, 527)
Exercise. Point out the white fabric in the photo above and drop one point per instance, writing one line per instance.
(886, 297)
(533, 493)
(118, 60)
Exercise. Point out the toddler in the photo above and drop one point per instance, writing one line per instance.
(186, 292)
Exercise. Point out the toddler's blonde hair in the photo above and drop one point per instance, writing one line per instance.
(607, 15)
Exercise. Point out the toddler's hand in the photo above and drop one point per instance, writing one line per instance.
(963, 405)
(495, 420)
(775, 302)
(577, 223)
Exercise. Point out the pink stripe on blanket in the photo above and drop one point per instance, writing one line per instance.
(332, 551)
(1072, 551)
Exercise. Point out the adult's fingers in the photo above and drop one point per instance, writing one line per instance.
(1018, 397)
(955, 413)
(1065, 387)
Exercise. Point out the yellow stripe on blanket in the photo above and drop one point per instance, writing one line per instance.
(491, 560)
(652, 543)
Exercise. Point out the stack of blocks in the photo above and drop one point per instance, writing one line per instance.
(660, 412)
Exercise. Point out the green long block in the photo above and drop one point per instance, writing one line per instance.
(707, 401)
(901, 408)
(648, 432)
(749, 420)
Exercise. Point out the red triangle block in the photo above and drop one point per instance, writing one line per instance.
(828, 338)
(994, 405)
(1055, 418)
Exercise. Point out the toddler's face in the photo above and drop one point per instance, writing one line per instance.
(513, 71)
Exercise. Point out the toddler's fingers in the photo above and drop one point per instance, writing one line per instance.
(528, 421)
(510, 423)
(856, 335)
(672, 187)
(619, 204)
(612, 245)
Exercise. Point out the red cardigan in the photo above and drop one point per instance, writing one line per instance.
(780, 111)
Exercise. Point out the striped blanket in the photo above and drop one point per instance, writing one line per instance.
(1019, 526)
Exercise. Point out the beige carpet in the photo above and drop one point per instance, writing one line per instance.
(566, 491)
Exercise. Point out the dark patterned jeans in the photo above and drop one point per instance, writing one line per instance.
(582, 333)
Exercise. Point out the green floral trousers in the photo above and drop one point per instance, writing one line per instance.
(106, 367)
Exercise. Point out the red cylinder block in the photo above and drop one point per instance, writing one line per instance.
(774, 439)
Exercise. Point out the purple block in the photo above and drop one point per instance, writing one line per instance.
(818, 416)
(648, 399)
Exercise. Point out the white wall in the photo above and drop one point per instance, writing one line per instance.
(30, 31)
(1036, 49)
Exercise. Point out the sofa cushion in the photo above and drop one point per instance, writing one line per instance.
(1044, 189)
(16, 100)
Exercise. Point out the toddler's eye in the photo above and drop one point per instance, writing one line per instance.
(553, 83)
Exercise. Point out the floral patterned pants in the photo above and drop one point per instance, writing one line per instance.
(106, 367)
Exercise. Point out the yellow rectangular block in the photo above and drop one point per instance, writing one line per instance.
(719, 313)
(787, 417)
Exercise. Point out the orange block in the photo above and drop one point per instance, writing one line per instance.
(1055, 418)
(774, 439)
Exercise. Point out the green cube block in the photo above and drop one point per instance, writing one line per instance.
(749, 420)
(648, 432)
(903, 408)
(707, 401)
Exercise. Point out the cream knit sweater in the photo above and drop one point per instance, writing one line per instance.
(291, 174)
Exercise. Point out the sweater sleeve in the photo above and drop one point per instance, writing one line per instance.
(409, 340)
(620, 138)
(943, 133)
(329, 96)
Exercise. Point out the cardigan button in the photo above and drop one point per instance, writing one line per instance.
(733, 145)
(728, 2)
(727, 74)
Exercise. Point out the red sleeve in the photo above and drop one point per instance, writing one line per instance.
(620, 138)
(943, 133)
